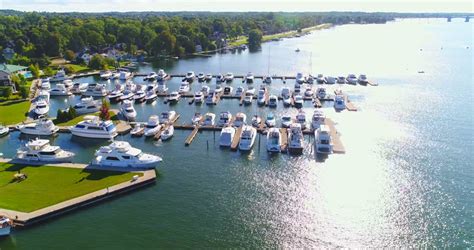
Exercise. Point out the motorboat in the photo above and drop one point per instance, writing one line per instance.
(339, 102)
(115, 75)
(184, 88)
(174, 97)
(208, 77)
(115, 94)
(97, 90)
(5, 226)
(239, 91)
(167, 133)
(363, 79)
(218, 89)
(220, 78)
(228, 90)
(248, 98)
(167, 117)
(300, 78)
(295, 139)
(68, 83)
(162, 87)
(320, 79)
(286, 121)
(298, 100)
(287, 100)
(321, 93)
(318, 119)
(198, 97)
(93, 127)
(127, 95)
(240, 119)
(79, 88)
(45, 84)
(128, 111)
(43, 95)
(150, 96)
(247, 138)
(261, 97)
(211, 98)
(225, 118)
(205, 90)
(60, 90)
(341, 80)
(297, 89)
(268, 79)
(209, 119)
(151, 87)
(122, 154)
(274, 140)
(250, 91)
(285, 91)
(106, 75)
(39, 150)
(139, 95)
(87, 105)
(301, 119)
(59, 76)
(138, 130)
(40, 127)
(308, 92)
(162, 76)
(351, 79)
(41, 107)
(190, 76)
(270, 121)
(229, 77)
(273, 101)
(151, 76)
(201, 76)
(125, 75)
(323, 140)
(310, 79)
(4, 130)
(256, 121)
(152, 126)
(227, 136)
(330, 79)
(249, 78)
(197, 118)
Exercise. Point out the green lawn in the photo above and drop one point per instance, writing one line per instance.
(13, 112)
(46, 185)
(78, 68)
(74, 121)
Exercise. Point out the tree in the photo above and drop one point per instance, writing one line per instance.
(97, 62)
(69, 55)
(104, 110)
(24, 91)
(255, 39)
(35, 70)
(71, 113)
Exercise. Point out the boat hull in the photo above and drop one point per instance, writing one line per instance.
(5, 231)
(90, 134)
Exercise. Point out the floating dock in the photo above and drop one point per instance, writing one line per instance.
(337, 148)
(235, 141)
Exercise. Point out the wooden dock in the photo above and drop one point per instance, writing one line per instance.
(338, 148)
(317, 103)
(349, 105)
(165, 126)
(284, 139)
(235, 141)
(191, 136)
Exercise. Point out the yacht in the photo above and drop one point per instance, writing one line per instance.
(225, 119)
(363, 79)
(167, 133)
(4, 130)
(249, 78)
(40, 127)
(201, 77)
(287, 101)
(268, 79)
(295, 139)
(318, 119)
(115, 75)
(228, 90)
(162, 76)
(218, 89)
(150, 96)
(339, 102)
(5, 226)
(247, 138)
(151, 87)
(39, 150)
(220, 78)
(323, 141)
(301, 119)
(151, 76)
(285, 91)
(121, 154)
(229, 77)
(93, 127)
(205, 90)
(239, 91)
(270, 121)
(274, 140)
(127, 95)
(128, 111)
(330, 80)
(211, 98)
(173, 97)
(196, 118)
(248, 98)
(152, 126)
(59, 76)
(184, 88)
(162, 88)
(87, 105)
(273, 101)
(308, 92)
(240, 119)
(227, 135)
(300, 78)
(95, 89)
(167, 117)
(138, 130)
(261, 97)
(321, 93)
(341, 80)
(115, 94)
(106, 75)
(190, 76)
(198, 97)
(125, 75)
(320, 79)
(60, 90)
(298, 101)
(208, 77)
(45, 84)
(41, 107)
(250, 91)
(256, 120)
(68, 83)
(139, 95)
(351, 79)
(209, 119)
(79, 88)
(286, 121)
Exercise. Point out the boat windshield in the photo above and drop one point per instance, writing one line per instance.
(110, 127)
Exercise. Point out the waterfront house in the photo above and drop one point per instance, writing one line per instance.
(6, 72)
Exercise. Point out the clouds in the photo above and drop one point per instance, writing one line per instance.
(239, 5)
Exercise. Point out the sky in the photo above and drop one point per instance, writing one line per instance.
(240, 5)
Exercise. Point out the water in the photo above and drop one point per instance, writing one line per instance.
(405, 181)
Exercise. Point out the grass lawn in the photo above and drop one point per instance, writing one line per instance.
(74, 121)
(78, 68)
(46, 186)
(13, 112)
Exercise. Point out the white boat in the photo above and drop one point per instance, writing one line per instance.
(127, 95)
(106, 75)
(125, 75)
(250, 90)
(301, 119)
(321, 93)
(128, 111)
(162, 87)
(339, 102)
(249, 78)
(205, 90)
(162, 76)
(247, 138)
(323, 140)
(211, 98)
(208, 77)
(94, 89)
(300, 78)
(218, 89)
(261, 97)
(68, 83)
(174, 97)
(150, 96)
(190, 76)
(268, 79)
(138, 130)
(201, 76)
(228, 90)
(297, 89)
(151, 76)
(139, 95)
(87, 105)
(270, 121)
(5, 226)
(79, 88)
(318, 119)
(43, 95)
(198, 97)
(320, 79)
(351, 79)
(152, 126)
(229, 77)
(330, 79)
(121, 154)
(240, 119)
(196, 118)
(248, 98)
(224, 119)
(45, 84)
(60, 90)
(153, 87)
(59, 76)
(115, 94)
(274, 140)
(310, 79)
(93, 127)
(4, 130)
(226, 137)
(256, 120)
(41, 107)
(287, 101)
(115, 75)
(220, 78)
(308, 91)
(167, 117)
(167, 133)
(295, 139)
(40, 127)
(209, 119)
(39, 150)
(184, 88)
(286, 121)
(298, 101)
(273, 101)
(363, 79)
(341, 79)
(239, 91)
(285, 91)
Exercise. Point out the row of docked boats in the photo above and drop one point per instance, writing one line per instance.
(321, 79)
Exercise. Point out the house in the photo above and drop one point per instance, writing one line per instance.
(6, 72)
(83, 56)
(8, 53)
(114, 54)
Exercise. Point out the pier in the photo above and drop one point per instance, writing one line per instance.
(235, 141)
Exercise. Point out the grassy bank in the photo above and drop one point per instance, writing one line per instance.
(13, 112)
(74, 121)
(46, 186)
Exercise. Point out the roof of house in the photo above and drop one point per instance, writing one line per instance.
(10, 68)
